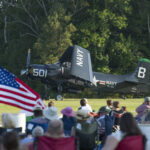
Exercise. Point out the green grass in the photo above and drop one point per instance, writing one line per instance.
(131, 105)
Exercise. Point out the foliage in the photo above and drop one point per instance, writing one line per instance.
(116, 32)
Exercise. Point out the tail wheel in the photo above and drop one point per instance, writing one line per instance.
(59, 97)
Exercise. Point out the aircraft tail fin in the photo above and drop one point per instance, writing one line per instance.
(142, 72)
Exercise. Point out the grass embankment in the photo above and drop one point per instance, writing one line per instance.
(131, 105)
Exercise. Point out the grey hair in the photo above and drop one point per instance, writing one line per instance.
(55, 127)
(8, 120)
(37, 131)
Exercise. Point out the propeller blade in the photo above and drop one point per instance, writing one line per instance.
(24, 71)
(28, 58)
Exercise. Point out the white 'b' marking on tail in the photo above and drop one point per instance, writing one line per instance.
(141, 73)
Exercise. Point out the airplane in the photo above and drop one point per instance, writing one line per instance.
(73, 73)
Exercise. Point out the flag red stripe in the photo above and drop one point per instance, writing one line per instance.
(22, 89)
(19, 94)
(26, 86)
(15, 99)
(12, 104)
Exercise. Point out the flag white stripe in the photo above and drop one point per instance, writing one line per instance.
(18, 91)
(16, 103)
(17, 97)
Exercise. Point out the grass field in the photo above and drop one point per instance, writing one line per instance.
(131, 105)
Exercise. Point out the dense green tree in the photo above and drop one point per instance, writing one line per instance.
(55, 36)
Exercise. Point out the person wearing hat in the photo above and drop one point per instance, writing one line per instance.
(38, 120)
(51, 113)
(101, 120)
(140, 109)
(38, 115)
(105, 122)
(68, 119)
(85, 130)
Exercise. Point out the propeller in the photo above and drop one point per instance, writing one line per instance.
(25, 71)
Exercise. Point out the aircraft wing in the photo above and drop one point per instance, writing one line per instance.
(81, 64)
(80, 60)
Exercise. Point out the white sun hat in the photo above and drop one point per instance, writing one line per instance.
(51, 113)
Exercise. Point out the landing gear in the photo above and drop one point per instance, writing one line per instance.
(59, 97)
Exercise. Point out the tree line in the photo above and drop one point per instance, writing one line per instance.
(116, 32)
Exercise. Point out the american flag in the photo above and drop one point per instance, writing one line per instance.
(16, 93)
(102, 82)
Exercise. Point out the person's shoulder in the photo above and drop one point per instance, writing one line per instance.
(118, 135)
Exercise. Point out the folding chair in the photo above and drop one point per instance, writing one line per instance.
(3, 130)
(48, 143)
(131, 143)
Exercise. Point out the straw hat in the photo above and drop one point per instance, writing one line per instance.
(68, 111)
(51, 113)
(82, 115)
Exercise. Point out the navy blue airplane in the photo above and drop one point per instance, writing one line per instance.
(73, 72)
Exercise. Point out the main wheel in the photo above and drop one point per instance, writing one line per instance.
(59, 97)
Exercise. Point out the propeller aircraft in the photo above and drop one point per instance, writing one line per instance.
(73, 72)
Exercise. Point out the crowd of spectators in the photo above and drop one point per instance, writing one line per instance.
(111, 128)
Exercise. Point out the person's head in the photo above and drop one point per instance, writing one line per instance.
(147, 100)
(51, 113)
(37, 111)
(68, 111)
(83, 102)
(10, 141)
(37, 131)
(124, 108)
(82, 115)
(51, 103)
(8, 120)
(55, 129)
(109, 102)
(129, 125)
(116, 104)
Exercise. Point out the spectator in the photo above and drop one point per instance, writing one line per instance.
(8, 121)
(38, 120)
(105, 122)
(146, 117)
(37, 131)
(128, 128)
(109, 104)
(85, 130)
(124, 109)
(51, 103)
(51, 113)
(84, 105)
(140, 109)
(117, 112)
(55, 129)
(54, 138)
(38, 115)
(9, 124)
(68, 120)
(10, 141)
